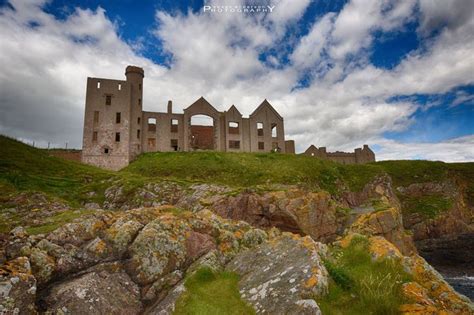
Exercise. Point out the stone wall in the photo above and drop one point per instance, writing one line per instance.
(360, 155)
(72, 155)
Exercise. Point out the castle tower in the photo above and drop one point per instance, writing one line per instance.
(135, 77)
(112, 120)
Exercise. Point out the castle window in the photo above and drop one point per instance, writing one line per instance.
(96, 117)
(312, 154)
(118, 118)
(139, 120)
(98, 84)
(234, 144)
(140, 101)
(261, 146)
(108, 100)
(174, 125)
(274, 130)
(275, 147)
(94, 136)
(152, 124)
(260, 129)
(106, 150)
(120, 87)
(139, 86)
(138, 134)
(117, 137)
(234, 128)
(174, 144)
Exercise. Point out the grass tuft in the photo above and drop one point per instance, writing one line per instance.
(359, 285)
(209, 292)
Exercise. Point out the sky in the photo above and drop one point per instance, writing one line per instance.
(397, 75)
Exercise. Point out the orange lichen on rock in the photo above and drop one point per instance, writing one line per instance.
(311, 282)
(416, 293)
(381, 248)
(238, 234)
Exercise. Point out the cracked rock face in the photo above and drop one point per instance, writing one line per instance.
(115, 262)
(282, 276)
(98, 292)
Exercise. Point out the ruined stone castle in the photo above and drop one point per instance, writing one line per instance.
(359, 156)
(117, 129)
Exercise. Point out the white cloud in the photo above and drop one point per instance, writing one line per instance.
(451, 14)
(359, 18)
(455, 150)
(45, 62)
(308, 52)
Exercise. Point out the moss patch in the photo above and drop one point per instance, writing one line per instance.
(429, 205)
(56, 221)
(212, 293)
(359, 285)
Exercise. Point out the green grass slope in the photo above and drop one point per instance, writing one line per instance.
(253, 169)
(405, 173)
(24, 168)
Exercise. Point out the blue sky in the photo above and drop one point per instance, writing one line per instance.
(397, 75)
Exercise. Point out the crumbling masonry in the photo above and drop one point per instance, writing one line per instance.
(360, 155)
(116, 129)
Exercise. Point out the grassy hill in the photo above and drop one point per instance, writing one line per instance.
(24, 168)
(253, 169)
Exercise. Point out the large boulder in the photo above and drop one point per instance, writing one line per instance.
(283, 275)
(158, 249)
(105, 291)
(293, 210)
(388, 224)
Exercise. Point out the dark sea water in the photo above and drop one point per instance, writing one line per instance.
(453, 258)
(463, 284)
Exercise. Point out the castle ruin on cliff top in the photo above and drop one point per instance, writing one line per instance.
(117, 129)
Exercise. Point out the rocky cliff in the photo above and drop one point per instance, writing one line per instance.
(328, 238)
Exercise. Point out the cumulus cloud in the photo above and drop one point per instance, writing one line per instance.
(45, 62)
(455, 150)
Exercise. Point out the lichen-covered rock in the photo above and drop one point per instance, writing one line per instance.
(168, 304)
(78, 232)
(158, 249)
(292, 210)
(97, 292)
(17, 287)
(438, 290)
(380, 188)
(122, 233)
(159, 289)
(282, 276)
(202, 195)
(429, 292)
(387, 223)
(42, 265)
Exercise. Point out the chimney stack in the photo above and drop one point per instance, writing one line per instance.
(170, 107)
